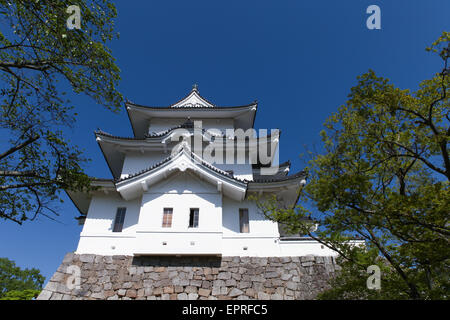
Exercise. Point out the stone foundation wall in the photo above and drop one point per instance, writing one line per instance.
(189, 278)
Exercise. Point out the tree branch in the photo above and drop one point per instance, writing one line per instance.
(18, 147)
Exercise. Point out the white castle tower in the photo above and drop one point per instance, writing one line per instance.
(182, 186)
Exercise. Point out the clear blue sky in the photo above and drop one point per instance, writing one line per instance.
(297, 58)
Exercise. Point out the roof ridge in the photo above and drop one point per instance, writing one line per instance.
(103, 133)
(193, 155)
(253, 103)
(193, 92)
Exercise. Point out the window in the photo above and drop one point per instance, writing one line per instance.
(167, 218)
(120, 217)
(243, 221)
(193, 218)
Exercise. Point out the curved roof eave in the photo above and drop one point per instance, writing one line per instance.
(139, 123)
(279, 181)
(82, 200)
(160, 137)
(293, 183)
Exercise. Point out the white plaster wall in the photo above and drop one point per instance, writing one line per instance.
(180, 192)
(97, 236)
(261, 241)
(107, 245)
(303, 248)
(260, 226)
(250, 246)
(218, 231)
(135, 162)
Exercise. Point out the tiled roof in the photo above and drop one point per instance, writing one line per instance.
(201, 161)
(187, 108)
(103, 133)
(166, 132)
(300, 174)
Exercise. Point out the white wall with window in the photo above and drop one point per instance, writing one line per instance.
(98, 236)
(196, 217)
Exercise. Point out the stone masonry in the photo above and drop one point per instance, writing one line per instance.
(189, 278)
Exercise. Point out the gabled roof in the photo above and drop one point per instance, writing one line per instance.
(133, 186)
(193, 100)
(194, 106)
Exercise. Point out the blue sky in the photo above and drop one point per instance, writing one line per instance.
(299, 59)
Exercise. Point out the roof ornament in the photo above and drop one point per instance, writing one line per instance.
(195, 87)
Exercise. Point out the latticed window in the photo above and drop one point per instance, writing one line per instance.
(167, 218)
(243, 221)
(120, 218)
(193, 218)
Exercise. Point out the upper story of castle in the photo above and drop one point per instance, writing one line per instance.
(153, 121)
(222, 136)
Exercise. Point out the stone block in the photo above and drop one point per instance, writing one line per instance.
(196, 283)
(235, 292)
(204, 292)
(131, 293)
(215, 291)
(244, 284)
(190, 289)
(276, 296)
(87, 258)
(230, 283)
(286, 276)
(178, 289)
(291, 285)
(44, 295)
(168, 290)
(68, 258)
(182, 296)
(270, 275)
(192, 296)
(224, 276)
(263, 296)
(98, 295)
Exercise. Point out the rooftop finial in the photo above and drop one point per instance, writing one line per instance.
(195, 87)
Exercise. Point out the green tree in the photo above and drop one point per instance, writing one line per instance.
(27, 294)
(39, 56)
(384, 176)
(17, 283)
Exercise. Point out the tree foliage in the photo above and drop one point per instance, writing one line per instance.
(384, 176)
(39, 56)
(17, 283)
(27, 294)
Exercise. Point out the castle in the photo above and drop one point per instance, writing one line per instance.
(183, 189)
